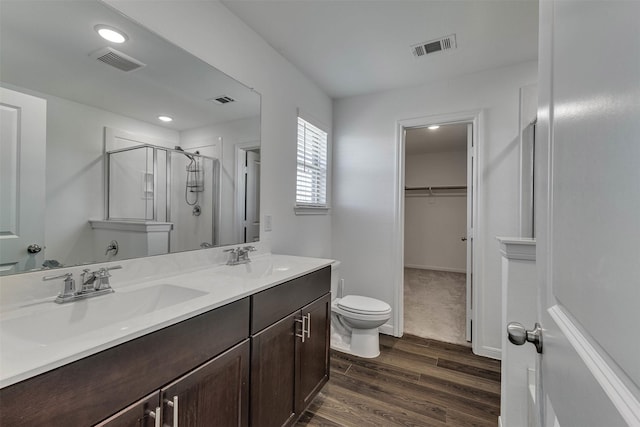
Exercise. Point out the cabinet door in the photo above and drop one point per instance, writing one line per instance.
(140, 414)
(273, 373)
(313, 370)
(215, 394)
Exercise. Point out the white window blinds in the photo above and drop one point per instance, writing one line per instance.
(311, 188)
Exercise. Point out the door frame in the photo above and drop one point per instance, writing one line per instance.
(28, 143)
(475, 117)
(240, 155)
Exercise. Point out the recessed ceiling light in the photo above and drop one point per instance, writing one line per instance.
(165, 118)
(434, 127)
(111, 34)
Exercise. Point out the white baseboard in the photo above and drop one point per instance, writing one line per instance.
(431, 267)
(490, 352)
(386, 329)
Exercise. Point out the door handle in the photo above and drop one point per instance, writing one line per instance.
(464, 239)
(518, 335)
(34, 248)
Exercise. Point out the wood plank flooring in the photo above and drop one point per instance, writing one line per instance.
(414, 382)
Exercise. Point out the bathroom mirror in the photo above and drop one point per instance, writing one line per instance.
(118, 181)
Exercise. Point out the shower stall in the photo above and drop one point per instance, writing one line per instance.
(156, 185)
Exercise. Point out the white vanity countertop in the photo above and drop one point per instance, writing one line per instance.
(31, 345)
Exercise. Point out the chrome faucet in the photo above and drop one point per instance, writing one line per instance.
(69, 287)
(239, 255)
(94, 283)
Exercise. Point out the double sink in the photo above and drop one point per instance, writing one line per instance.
(42, 335)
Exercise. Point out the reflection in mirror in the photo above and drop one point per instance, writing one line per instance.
(90, 171)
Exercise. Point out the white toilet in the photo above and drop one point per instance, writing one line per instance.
(355, 319)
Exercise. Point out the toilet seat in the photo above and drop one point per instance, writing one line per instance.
(358, 304)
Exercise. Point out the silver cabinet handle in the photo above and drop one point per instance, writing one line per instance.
(303, 333)
(309, 325)
(518, 335)
(174, 404)
(155, 414)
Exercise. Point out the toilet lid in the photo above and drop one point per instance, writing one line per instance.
(363, 305)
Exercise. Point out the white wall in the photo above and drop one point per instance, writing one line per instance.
(213, 33)
(435, 224)
(365, 172)
(75, 174)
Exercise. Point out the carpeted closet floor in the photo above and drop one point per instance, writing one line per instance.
(435, 305)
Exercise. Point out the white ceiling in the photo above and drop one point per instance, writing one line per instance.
(45, 47)
(351, 47)
(445, 139)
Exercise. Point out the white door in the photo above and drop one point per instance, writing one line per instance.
(248, 194)
(23, 124)
(252, 197)
(470, 225)
(588, 212)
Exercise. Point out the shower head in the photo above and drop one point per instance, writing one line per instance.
(178, 148)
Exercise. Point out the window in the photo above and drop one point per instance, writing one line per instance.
(311, 182)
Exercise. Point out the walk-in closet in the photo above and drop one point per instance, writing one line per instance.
(435, 232)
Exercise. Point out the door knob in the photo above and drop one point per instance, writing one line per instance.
(518, 335)
(464, 239)
(33, 248)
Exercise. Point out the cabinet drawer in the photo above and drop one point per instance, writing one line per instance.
(93, 388)
(271, 305)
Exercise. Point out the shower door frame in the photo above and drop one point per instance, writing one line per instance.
(111, 134)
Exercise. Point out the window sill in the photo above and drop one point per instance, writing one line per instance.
(310, 210)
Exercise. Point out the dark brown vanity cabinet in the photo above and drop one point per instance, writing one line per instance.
(290, 354)
(273, 373)
(214, 394)
(237, 365)
(314, 352)
(91, 389)
(139, 414)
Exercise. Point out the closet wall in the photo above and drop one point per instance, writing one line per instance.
(435, 223)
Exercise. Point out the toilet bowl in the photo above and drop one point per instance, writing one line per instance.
(355, 320)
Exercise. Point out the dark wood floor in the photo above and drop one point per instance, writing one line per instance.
(414, 382)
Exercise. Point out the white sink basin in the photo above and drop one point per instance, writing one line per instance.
(60, 322)
(256, 269)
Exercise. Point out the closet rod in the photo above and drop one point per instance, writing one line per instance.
(438, 187)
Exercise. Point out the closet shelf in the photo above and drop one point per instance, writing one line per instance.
(437, 190)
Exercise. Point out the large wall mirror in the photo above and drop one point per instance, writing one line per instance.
(114, 150)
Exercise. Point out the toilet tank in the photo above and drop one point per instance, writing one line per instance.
(336, 280)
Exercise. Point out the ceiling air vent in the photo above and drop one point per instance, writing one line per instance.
(434, 46)
(222, 100)
(117, 59)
